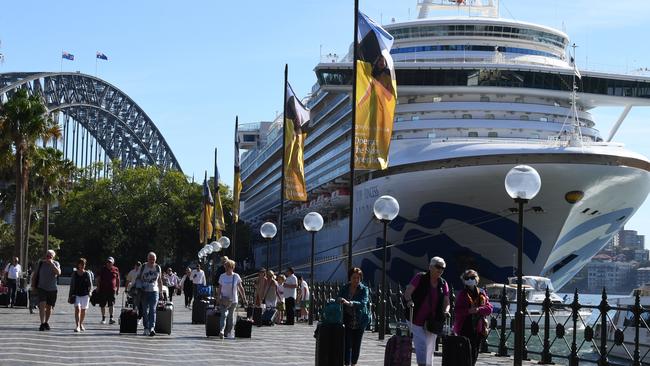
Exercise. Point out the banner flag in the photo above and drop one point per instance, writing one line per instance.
(376, 95)
(295, 188)
(237, 186)
(205, 229)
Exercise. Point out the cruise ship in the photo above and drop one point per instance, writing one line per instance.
(477, 95)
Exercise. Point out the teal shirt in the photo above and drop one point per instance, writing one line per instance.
(360, 301)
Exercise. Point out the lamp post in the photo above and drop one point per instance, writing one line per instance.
(522, 184)
(386, 209)
(312, 222)
(268, 231)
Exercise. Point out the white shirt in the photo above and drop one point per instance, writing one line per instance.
(281, 292)
(13, 272)
(304, 290)
(228, 288)
(290, 292)
(198, 277)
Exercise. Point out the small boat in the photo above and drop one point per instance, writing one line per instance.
(535, 289)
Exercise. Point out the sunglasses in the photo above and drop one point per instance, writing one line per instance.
(440, 267)
(470, 278)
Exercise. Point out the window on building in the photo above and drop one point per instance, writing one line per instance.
(493, 134)
(472, 134)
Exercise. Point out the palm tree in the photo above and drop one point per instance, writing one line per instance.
(24, 121)
(52, 176)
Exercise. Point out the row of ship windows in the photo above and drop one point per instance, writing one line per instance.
(479, 31)
(524, 51)
(523, 117)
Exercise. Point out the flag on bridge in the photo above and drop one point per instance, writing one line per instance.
(296, 115)
(205, 229)
(376, 95)
(102, 56)
(67, 56)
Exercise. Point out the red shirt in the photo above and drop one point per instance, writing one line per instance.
(109, 279)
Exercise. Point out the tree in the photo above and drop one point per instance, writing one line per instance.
(24, 121)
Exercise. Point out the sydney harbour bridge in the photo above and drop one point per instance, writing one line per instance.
(100, 123)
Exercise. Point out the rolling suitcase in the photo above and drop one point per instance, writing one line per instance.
(4, 299)
(330, 345)
(456, 351)
(164, 317)
(198, 311)
(212, 317)
(267, 316)
(203, 291)
(243, 328)
(21, 297)
(128, 321)
(399, 348)
(257, 316)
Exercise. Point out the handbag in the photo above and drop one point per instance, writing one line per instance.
(71, 299)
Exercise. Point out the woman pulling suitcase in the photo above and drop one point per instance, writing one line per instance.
(472, 311)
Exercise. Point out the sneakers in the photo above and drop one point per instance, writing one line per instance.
(82, 328)
(46, 326)
(103, 321)
(231, 336)
(77, 330)
(111, 321)
(152, 333)
(220, 335)
(42, 327)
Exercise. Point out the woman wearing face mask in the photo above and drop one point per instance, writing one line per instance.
(472, 311)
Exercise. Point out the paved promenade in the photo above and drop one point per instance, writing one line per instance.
(22, 344)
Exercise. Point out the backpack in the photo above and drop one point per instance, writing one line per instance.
(331, 313)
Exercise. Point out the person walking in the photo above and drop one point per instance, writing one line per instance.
(151, 277)
(230, 284)
(108, 286)
(79, 295)
(354, 296)
(188, 286)
(44, 282)
(12, 273)
(290, 294)
(170, 279)
(428, 294)
(198, 278)
(471, 312)
(304, 299)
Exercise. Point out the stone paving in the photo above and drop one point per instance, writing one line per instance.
(21, 343)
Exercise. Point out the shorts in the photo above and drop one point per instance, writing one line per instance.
(81, 301)
(48, 297)
(106, 298)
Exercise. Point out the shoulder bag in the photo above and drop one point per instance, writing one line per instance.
(225, 301)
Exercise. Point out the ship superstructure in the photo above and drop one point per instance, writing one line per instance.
(476, 96)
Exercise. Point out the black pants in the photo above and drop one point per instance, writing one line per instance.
(188, 298)
(11, 283)
(290, 304)
(475, 342)
(352, 345)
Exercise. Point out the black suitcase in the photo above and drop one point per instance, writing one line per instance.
(4, 299)
(212, 318)
(128, 321)
(164, 318)
(198, 311)
(330, 345)
(243, 328)
(257, 316)
(21, 297)
(456, 351)
(249, 311)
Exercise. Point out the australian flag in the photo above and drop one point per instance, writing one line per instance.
(67, 56)
(102, 56)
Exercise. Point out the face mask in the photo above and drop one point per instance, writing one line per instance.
(471, 282)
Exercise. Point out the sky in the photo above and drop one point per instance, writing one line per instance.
(195, 65)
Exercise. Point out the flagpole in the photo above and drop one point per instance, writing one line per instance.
(234, 223)
(352, 131)
(284, 147)
(61, 60)
(205, 220)
(216, 192)
(95, 66)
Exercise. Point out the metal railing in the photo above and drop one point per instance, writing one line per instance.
(556, 332)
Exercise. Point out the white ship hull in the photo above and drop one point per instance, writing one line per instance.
(458, 209)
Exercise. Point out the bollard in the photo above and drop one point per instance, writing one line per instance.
(637, 310)
(575, 307)
(503, 349)
(604, 308)
(546, 351)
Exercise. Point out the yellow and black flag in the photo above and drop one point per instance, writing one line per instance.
(376, 95)
(205, 229)
(296, 115)
(219, 221)
(237, 184)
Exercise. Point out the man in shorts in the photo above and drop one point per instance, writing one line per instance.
(108, 285)
(44, 282)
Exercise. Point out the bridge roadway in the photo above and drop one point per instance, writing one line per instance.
(21, 343)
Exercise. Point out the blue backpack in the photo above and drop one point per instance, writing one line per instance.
(331, 313)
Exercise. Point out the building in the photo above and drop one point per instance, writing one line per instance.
(631, 239)
(642, 276)
(614, 276)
